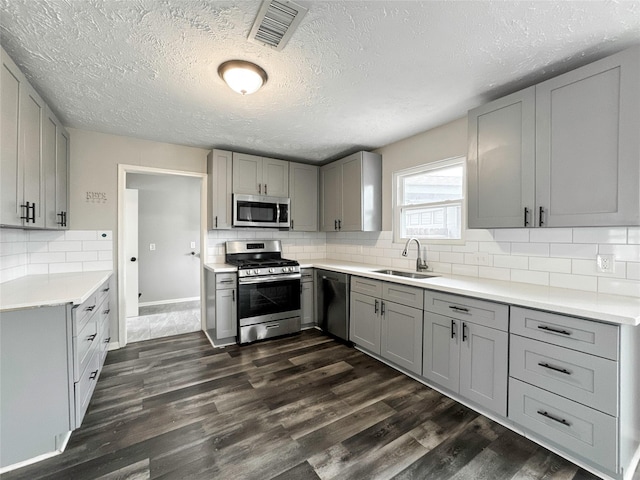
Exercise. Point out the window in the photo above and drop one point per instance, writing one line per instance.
(428, 201)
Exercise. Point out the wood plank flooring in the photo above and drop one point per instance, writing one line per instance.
(300, 407)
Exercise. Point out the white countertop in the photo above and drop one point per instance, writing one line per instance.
(220, 267)
(617, 309)
(52, 289)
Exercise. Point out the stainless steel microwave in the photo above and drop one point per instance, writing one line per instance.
(261, 211)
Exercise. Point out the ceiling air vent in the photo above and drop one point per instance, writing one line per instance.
(276, 22)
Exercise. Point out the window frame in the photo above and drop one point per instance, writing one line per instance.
(423, 168)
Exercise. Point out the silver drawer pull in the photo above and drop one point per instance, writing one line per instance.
(225, 281)
(275, 325)
(553, 330)
(555, 419)
(459, 309)
(555, 369)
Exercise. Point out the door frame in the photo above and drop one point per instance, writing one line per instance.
(123, 170)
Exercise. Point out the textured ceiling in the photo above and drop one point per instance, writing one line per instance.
(356, 74)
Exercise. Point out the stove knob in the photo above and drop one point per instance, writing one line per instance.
(256, 272)
(272, 270)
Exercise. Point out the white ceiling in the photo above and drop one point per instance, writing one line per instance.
(355, 75)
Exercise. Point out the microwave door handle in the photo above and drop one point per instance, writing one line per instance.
(277, 213)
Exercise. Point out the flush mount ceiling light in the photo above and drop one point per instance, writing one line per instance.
(242, 77)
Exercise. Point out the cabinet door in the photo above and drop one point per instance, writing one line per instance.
(219, 166)
(247, 174)
(483, 366)
(30, 151)
(441, 358)
(226, 314)
(331, 190)
(351, 217)
(303, 188)
(275, 177)
(401, 340)
(306, 304)
(11, 185)
(62, 177)
(501, 162)
(365, 322)
(587, 144)
(50, 129)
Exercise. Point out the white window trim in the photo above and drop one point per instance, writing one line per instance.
(420, 168)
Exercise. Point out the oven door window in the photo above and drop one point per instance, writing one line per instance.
(268, 297)
(257, 212)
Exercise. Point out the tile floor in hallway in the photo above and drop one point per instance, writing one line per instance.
(156, 321)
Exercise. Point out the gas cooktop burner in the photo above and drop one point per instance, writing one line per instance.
(260, 258)
(257, 263)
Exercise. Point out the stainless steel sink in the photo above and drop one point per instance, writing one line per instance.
(400, 273)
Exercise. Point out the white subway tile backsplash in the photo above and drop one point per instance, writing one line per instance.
(551, 235)
(477, 235)
(600, 235)
(577, 282)
(49, 257)
(573, 250)
(499, 248)
(33, 247)
(494, 273)
(45, 235)
(528, 276)
(545, 264)
(467, 270)
(65, 246)
(589, 267)
(95, 245)
(633, 235)
(530, 249)
(37, 269)
(624, 253)
(511, 261)
(81, 235)
(633, 271)
(65, 267)
(511, 235)
(450, 257)
(617, 286)
(82, 257)
(94, 266)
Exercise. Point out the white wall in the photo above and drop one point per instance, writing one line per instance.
(169, 218)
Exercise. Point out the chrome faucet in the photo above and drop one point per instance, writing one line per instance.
(421, 265)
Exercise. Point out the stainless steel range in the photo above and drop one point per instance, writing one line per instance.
(268, 289)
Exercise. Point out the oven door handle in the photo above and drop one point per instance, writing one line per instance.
(268, 279)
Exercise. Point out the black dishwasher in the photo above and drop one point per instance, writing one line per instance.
(332, 303)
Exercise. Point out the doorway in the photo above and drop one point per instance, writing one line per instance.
(162, 245)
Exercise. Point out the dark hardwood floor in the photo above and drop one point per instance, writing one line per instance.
(301, 407)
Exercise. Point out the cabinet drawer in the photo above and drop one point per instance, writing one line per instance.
(103, 292)
(402, 294)
(485, 313)
(366, 286)
(590, 380)
(587, 336)
(226, 280)
(83, 389)
(84, 345)
(570, 425)
(83, 312)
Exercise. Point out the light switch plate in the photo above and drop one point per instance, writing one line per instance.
(152, 246)
(193, 244)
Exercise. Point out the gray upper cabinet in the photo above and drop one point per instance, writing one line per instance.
(254, 175)
(588, 144)
(564, 153)
(351, 193)
(501, 162)
(55, 160)
(303, 188)
(34, 156)
(219, 166)
(22, 112)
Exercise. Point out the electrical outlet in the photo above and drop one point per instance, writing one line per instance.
(483, 258)
(606, 263)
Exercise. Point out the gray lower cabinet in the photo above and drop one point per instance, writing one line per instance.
(387, 328)
(50, 361)
(466, 351)
(574, 384)
(221, 306)
(307, 294)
